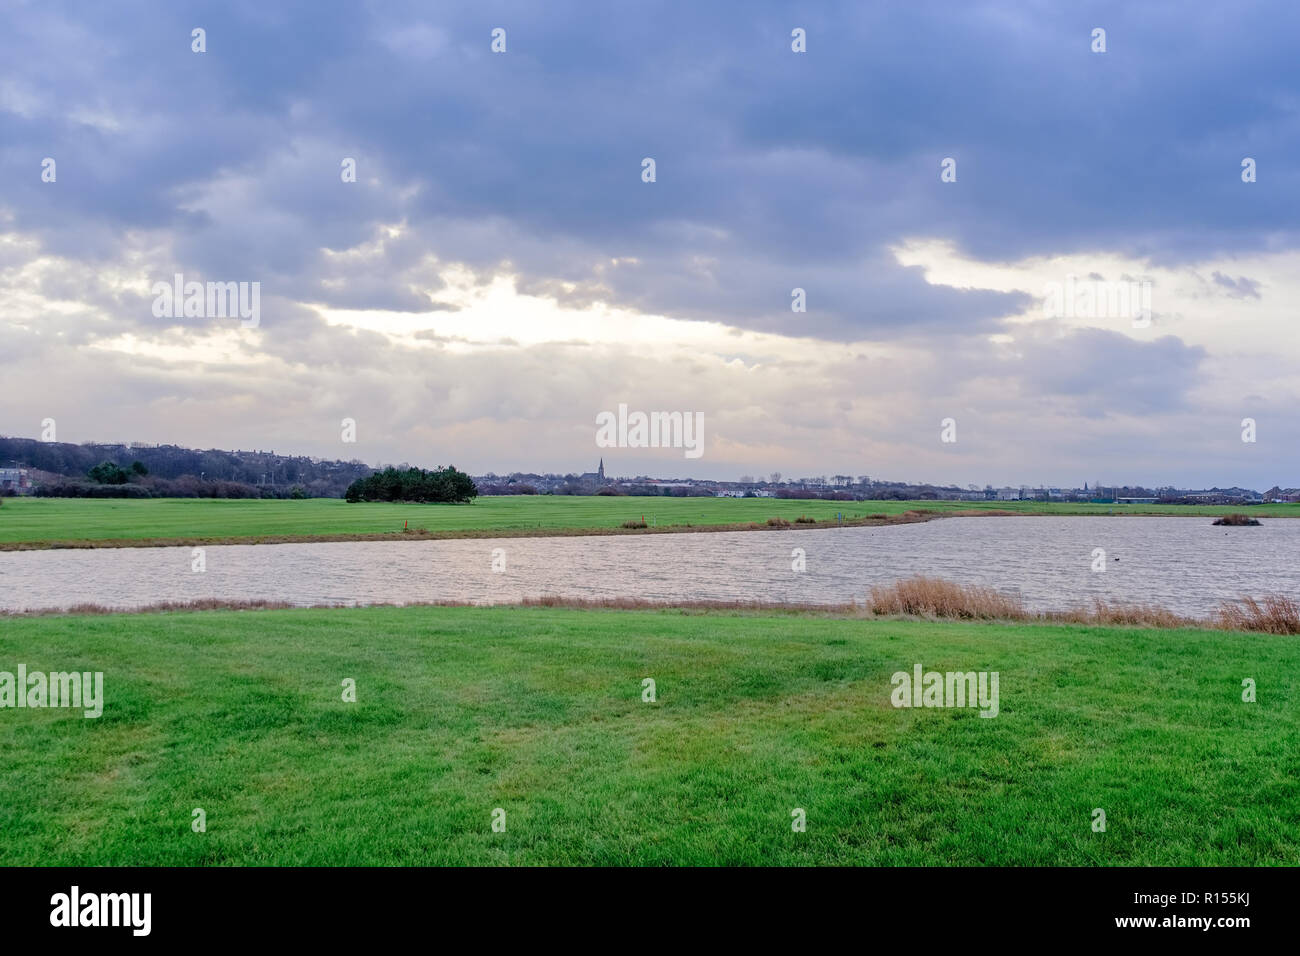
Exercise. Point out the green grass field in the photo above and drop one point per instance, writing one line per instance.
(29, 521)
(539, 712)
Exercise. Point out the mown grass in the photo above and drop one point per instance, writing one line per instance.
(538, 711)
(52, 521)
(74, 519)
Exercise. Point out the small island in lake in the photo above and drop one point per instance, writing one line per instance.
(1237, 521)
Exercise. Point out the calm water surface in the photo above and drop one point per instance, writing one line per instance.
(1184, 564)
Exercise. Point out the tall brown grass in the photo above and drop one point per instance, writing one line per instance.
(645, 604)
(1273, 614)
(1123, 615)
(935, 597)
(202, 604)
(1236, 521)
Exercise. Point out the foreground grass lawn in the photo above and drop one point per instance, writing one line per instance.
(539, 712)
(30, 520)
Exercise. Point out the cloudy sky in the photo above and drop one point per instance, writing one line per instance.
(500, 273)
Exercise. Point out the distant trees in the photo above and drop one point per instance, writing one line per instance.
(150, 487)
(414, 484)
(509, 487)
(111, 473)
(108, 473)
(263, 474)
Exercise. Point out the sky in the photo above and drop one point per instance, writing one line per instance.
(937, 178)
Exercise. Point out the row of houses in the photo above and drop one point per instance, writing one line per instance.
(1282, 495)
(17, 481)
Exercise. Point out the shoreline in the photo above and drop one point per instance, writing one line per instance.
(1132, 617)
(83, 544)
(911, 516)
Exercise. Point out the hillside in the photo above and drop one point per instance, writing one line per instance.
(174, 471)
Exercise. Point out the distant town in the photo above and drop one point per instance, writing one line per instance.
(59, 469)
(862, 487)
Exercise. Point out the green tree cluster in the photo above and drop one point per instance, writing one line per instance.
(414, 484)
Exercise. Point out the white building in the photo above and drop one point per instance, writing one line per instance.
(15, 480)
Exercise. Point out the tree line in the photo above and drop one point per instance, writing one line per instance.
(414, 484)
(109, 470)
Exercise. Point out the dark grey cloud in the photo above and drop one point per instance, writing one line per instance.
(1105, 373)
(775, 170)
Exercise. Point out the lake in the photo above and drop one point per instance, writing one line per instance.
(1184, 564)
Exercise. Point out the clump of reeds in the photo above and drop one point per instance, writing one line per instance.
(935, 597)
(1133, 615)
(201, 604)
(778, 523)
(804, 519)
(1237, 521)
(645, 604)
(635, 523)
(1272, 614)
